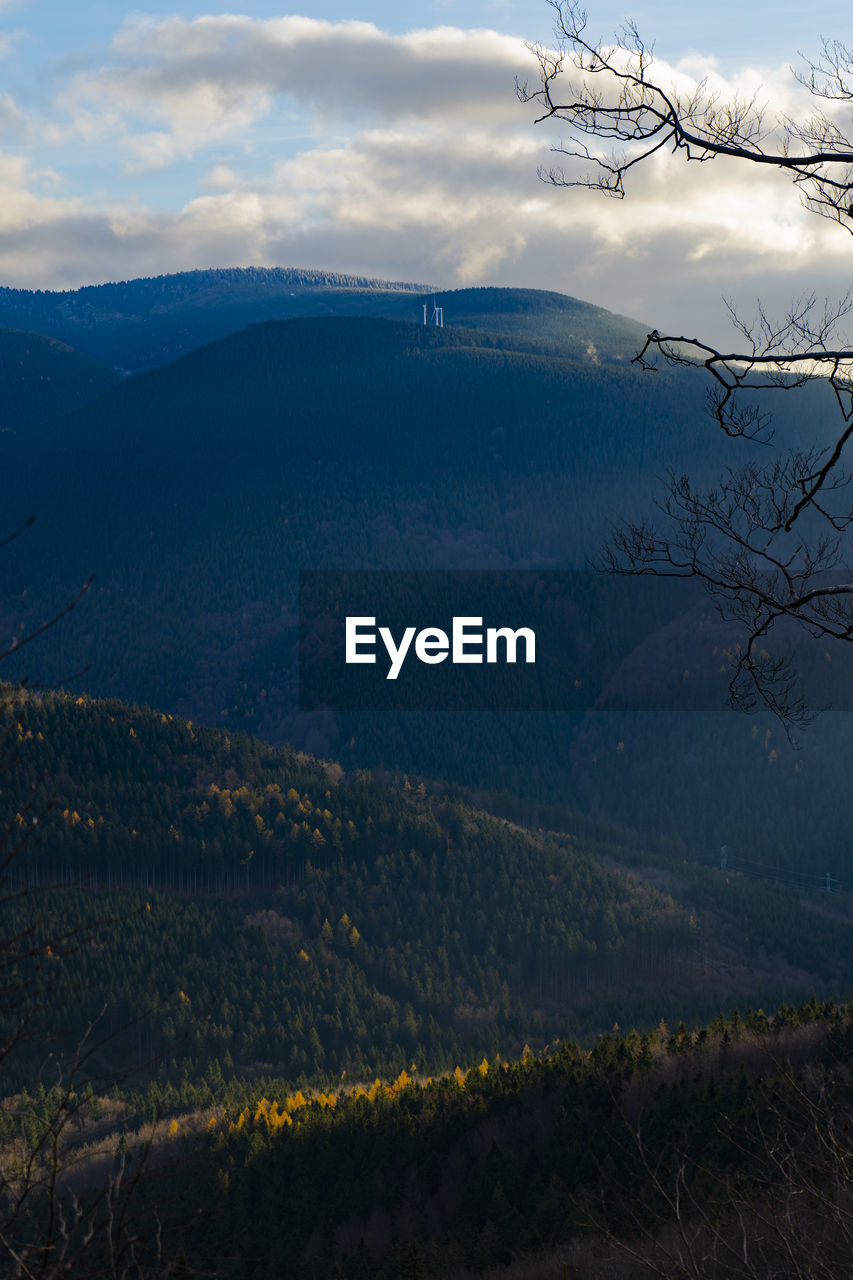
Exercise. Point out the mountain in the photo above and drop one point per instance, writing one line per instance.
(318, 921)
(42, 378)
(614, 1161)
(339, 1024)
(214, 944)
(197, 492)
(137, 324)
(366, 922)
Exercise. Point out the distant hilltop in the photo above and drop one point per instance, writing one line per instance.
(186, 283)
(133, 325)
(140, 324)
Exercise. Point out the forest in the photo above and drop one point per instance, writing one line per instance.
(286, 439)
(292, 989)
(332, 922)
(279, 969)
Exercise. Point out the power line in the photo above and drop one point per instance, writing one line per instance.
(826, 883)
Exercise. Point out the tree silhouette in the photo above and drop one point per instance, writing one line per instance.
(769, 541)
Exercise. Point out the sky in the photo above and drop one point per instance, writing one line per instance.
(386, 140)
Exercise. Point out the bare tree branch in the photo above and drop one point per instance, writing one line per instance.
(606, 92)
(770, 541)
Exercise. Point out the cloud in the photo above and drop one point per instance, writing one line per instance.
(328, 65)
(450, 209)
(217, 76)
(318, 144)
(12, 120)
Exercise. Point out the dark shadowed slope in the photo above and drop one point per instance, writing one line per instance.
(200, 489)
(197, 492)
(41, 378)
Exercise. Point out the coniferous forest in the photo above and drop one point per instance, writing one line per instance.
(309, 992)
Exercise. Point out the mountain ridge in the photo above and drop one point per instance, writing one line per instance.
(147, 321)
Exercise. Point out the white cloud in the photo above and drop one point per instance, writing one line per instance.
(220, 178)
(12, 119)
(217, 76)
(338, 145)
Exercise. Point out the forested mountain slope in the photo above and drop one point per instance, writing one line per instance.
(198, 491)
(225, 923)
(726, 1144)
(364, 923)
(136, 324)
(277, 915)
(41, 378)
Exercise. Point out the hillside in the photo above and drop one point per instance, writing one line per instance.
(137, 324)
(358, 994)
(545, 320)
(317, 921)
(384, 906)
(620, 1159)
(197, 492)
(727, 1140)
(430, 929)
(296, 1008)
(134, 324)
(41, 378)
